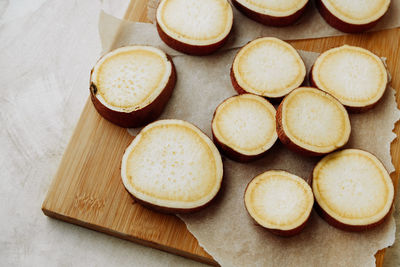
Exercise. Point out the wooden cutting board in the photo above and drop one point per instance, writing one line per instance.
(87, 188)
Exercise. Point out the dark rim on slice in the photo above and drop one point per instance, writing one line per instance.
(352, 189)
(312, 122)
(268, 67)
(279, 201)
(244, 127)
(352, 16)
(354, 75)
(273, 13)
(131, 85)
(173, 167)
(194, 27)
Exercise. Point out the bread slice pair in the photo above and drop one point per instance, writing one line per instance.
(352, 189)
(267, 67)
(353, 16)
(194, 27)
(272, 13)
(131, 85)
(244, 127)
(354, 75)
(171, 166)
(312, 122)
(279, 201)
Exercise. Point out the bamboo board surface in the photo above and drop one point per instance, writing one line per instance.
(87, 188)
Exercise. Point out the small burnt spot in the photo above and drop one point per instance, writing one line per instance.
(93, 88)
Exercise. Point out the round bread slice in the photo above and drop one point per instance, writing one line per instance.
(267, 67)
(279, 201)
(131, 85)
(244, 127)
(194, 27)
(352, 16)
(171, 166)
(354, 75)
(272, 13)
(352, 189)
(312, 122)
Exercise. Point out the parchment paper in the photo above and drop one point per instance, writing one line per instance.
(310, 25)
(224, 229)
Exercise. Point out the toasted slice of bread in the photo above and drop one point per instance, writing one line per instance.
(279, 201)
(352, 189)
(312, 122)
(173, 167)
(354, 75)
(267, 67)
(244, 127)
(272, 13)
(131, 85)
(352, 16)
(194, 27)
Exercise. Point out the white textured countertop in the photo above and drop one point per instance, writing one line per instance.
(47, 49)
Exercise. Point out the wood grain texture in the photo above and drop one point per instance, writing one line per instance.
(87, 189)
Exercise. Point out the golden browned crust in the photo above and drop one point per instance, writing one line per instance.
(270, 20)
(171, 210)
(292, 232)
(240, 90)
(229, 151)
(235, 84)
(342, 226)
(347, 227)
(141, 116)
(283, 233)
(197, 50)
(348, 108)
